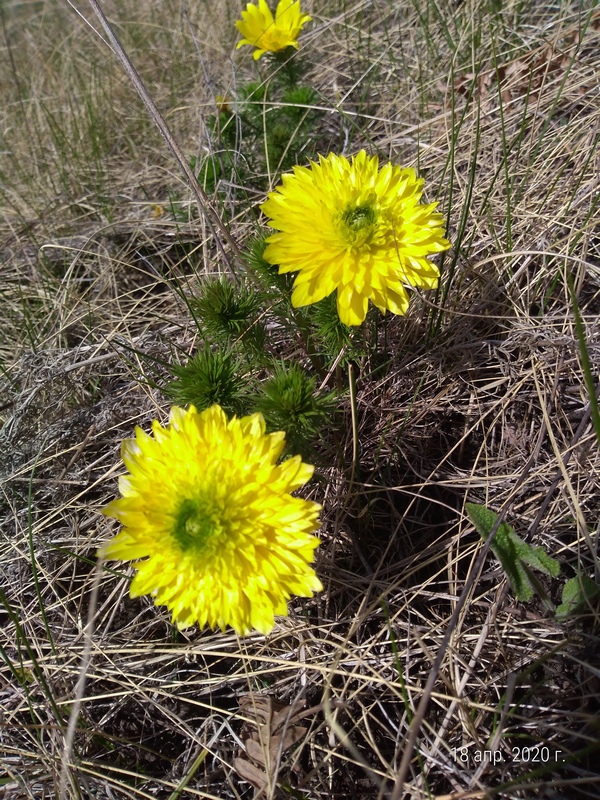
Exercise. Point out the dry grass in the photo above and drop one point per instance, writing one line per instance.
(484, 400)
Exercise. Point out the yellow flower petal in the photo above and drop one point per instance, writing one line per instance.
(350, 226)
(209, 510)
(268, 34)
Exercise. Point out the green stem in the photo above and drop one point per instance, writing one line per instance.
(287, 61)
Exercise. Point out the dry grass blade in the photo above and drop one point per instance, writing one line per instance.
(201, 196)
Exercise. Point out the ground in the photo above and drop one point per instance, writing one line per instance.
(484, 393)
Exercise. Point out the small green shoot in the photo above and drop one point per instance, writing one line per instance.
(289, 402)
(209, 377)
(577, 593)
(512, 552)
(229, 313)
(266, 275)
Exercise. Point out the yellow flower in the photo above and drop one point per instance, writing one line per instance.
(260, 30)
(349, 226)
(209, 510)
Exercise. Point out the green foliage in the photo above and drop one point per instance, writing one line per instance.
(209, 377)
(297, 97)
(267, 129)
(289, 66)
(252, 92)
(230, 313)
(577, 593)
(290, 127)
(515, 555)
(290, 403)
(267, 275)
(224, 126)
(333, 335)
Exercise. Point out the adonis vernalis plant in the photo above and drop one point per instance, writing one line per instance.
(290, 402)
(211, 376)
(268, 34)
(348, 225)
(208, 510)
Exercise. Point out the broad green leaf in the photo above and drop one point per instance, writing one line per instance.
(513, 553)
(576, 594)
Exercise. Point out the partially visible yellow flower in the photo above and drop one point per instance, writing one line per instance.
(348, 225)
(222, 102)
(260, 30)
(209, 511)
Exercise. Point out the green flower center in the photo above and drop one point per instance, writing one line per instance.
(196, 523)
(359, 223)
